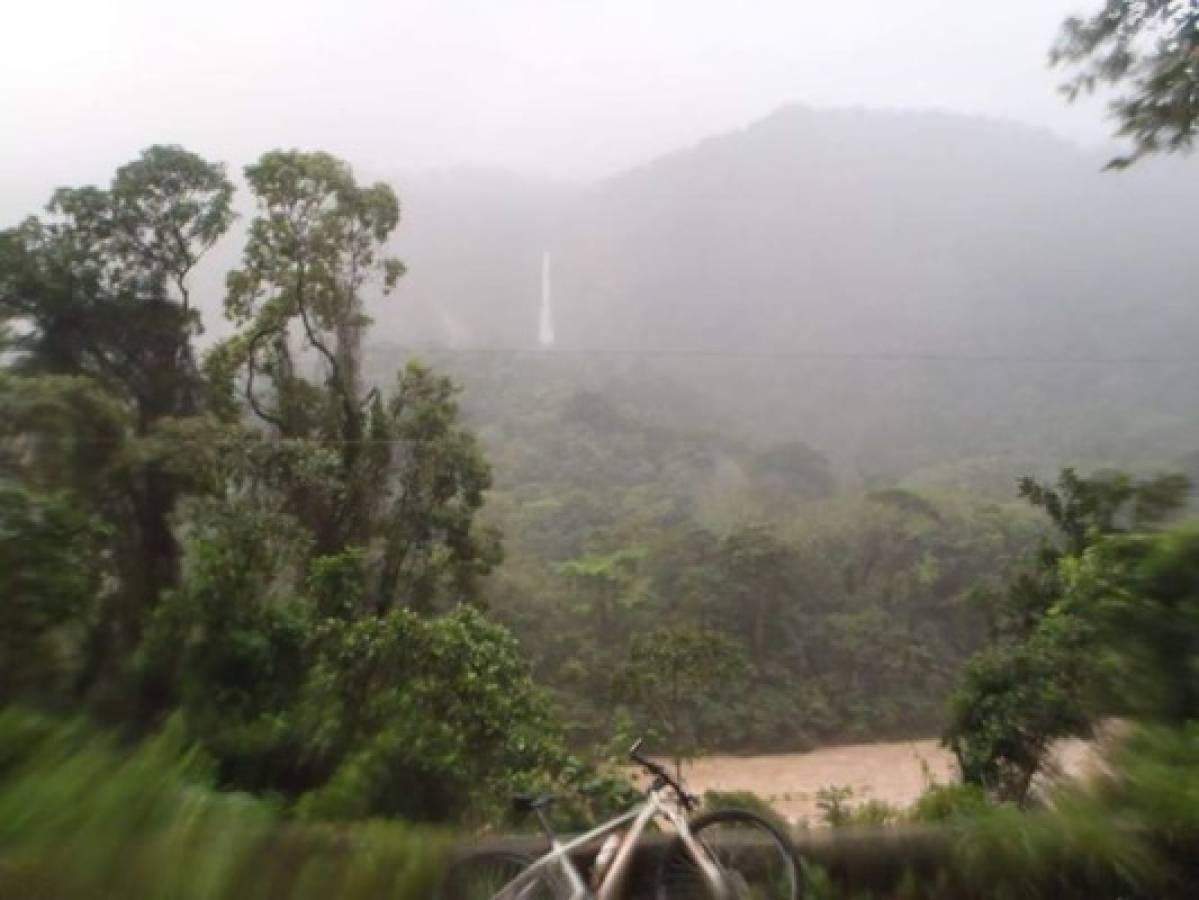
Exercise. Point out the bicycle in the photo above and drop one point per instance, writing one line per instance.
(725, 854)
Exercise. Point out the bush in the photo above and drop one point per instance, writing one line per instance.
(947, 802)
(80, 818)
(834, 805)
(873, 814)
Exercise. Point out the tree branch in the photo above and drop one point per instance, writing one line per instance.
(249, 391)
(347, 402)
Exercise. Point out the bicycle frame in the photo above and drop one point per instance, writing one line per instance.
(557, 868)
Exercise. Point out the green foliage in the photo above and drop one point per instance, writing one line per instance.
(855, 614)
(229, 646)
(1129, 597)
(62, 432)
(85, 819)
(948, 802)
(875, 814)
(50, 578)
(350, 714)
(1069, 853)
(1013, 702)
(313, 246)
(1105, 503)
(1156, 781)
(838, 810)
(674, 677)
(432, 551)
(100, 288)
(1146, 50)
(290, 558)
(1040, 680)
(1157, 621)
(96, 296)
(423, 718)
(390, 473)
(817, 884)
(1140, 593)
(856, 611)
(1131, 834)
(906, 501)
(834, 804)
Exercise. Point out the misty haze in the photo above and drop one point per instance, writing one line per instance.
(405, 408)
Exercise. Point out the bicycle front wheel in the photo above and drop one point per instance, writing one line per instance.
(753, 855)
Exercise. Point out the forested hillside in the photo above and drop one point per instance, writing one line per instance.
(797, 372)
(897, 289)
(849, 609)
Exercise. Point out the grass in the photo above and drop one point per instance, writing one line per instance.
(83, 818)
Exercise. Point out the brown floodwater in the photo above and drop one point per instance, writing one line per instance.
(895, 772)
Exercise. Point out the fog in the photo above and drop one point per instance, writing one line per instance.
(880, 184)
(553, 88)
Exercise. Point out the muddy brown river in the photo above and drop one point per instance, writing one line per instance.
(897, 772)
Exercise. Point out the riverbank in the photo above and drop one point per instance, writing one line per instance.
(895, 772)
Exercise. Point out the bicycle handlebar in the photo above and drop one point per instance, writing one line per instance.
(661, 775)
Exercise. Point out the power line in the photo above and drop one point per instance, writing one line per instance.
(808, 355)
(263, 441)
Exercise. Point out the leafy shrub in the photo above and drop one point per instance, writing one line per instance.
(947, 802)
(874, 813)
(834, 805)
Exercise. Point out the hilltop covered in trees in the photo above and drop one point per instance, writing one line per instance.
(896, 289)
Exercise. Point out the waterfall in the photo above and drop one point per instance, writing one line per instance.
(545, 325)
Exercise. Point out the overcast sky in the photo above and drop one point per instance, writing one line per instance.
(567, 88)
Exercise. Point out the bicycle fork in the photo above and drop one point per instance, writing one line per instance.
(712, 872)
(614, 883)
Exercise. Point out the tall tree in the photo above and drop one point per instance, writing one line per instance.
(309, 251)
(395, 477)
(317, 241)
(760, 577)
(99, 288)
(674, 677)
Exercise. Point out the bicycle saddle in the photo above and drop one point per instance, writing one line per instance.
(527, 803)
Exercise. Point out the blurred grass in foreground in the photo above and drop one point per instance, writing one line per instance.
(80, 818)
(1133, 833)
